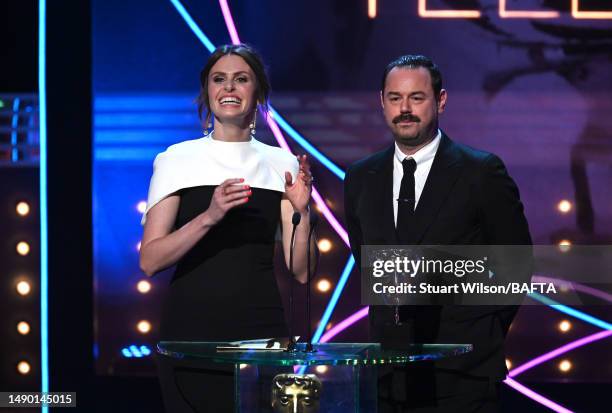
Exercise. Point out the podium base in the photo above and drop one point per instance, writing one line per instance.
(315, 389)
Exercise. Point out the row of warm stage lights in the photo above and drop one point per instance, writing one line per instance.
(144, 287)
(23, 286)
(564, 207)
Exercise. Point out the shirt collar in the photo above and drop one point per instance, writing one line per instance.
(424, 154)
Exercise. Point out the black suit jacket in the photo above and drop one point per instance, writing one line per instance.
(468, 198)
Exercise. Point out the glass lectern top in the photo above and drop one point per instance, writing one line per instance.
(339, 354)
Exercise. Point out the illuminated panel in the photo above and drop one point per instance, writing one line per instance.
(527, 14)
(446, 14)
(372, 9)
(577, 14)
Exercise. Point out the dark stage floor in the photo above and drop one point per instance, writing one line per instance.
(142, 394)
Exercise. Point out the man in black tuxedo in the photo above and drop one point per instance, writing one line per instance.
(428, 190)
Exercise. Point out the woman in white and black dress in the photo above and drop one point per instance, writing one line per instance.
(214, 207)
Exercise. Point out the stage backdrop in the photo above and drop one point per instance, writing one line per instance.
(527, 80)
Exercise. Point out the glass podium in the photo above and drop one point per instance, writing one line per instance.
(336, 377)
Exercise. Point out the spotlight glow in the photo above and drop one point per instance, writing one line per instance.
(321, 369)
(22, 208)
(143, 286)
(565, 366)
(564, 245)
(508, 364)
(23, 367)
(564, 206)
(324, 285)
(23, 288)
(324, 245)
(372, 9)
(143, 326)
(23, 328)
(142, 207)
(565, 326)
(23, 248)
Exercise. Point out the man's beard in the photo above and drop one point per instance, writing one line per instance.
(411, 140)
(415, 139)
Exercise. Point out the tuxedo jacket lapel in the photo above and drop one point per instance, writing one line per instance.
(441, 179)
(382, 191)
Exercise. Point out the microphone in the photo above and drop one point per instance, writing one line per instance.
(314, 218)
(295, 220)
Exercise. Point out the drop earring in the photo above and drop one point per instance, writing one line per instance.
(207, 129)
(253, 124)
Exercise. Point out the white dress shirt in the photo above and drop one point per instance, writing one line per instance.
(424, 159)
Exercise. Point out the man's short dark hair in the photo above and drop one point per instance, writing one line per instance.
(411, 61)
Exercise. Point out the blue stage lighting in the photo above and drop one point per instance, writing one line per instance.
(334, 299)
(193, 26)
(572, 311)
(42, 101)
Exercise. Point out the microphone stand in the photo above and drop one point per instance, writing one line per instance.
(295, 220)
(313, 223)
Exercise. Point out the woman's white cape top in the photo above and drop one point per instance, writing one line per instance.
(207, 161)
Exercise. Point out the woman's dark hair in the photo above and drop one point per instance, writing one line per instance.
(414, 62)
(252, 58)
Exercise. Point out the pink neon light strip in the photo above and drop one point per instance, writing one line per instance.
(229, 21)
(344, 324)
(330, 217)
(561, 350)
(535, 396)
(333, 221)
